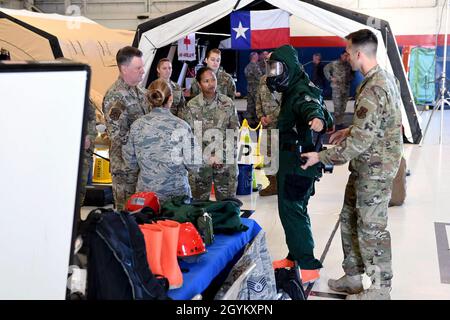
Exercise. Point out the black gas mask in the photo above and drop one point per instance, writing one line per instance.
(277, 76)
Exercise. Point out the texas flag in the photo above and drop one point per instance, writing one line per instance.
(259, 29)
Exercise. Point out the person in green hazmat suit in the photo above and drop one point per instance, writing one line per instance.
(302, 112)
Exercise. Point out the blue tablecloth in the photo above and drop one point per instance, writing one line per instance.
(210, 264)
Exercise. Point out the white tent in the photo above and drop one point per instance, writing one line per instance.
(163, 31)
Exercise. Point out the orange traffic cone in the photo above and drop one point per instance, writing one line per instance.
(153, 236)
(169, 262)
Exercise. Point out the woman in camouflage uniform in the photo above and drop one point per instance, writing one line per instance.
(164, 69)
(213, 113)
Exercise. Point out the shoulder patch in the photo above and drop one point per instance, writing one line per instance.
(116, 110)
(362, 112)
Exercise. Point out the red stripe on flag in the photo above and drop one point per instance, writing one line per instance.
(269, 38)
(329, 41)
(333, 41)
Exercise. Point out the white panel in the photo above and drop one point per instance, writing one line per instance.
(269, 19)
(300, 27)
(41, 127)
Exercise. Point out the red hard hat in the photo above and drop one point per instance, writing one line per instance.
(190, 243)
(143, 199)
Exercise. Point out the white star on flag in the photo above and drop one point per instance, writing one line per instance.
(240, 31)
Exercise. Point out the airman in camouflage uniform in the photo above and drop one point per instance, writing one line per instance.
(122, 105)
(164, 69)
(225, 83)
(150, 148)
(262, 61)
(267, 111)
(220, 114)
(89, 143)
(178, 100)
(340, 74)
(374, 145)
(252, 74)
(267, 106)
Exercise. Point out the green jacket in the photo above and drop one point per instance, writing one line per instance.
(301, 103)
(225, 214)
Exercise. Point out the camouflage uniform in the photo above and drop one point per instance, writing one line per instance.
(225, 85)
(374, 148)
(219, 114)
(267, 104)
(262, 66)
(252, 74)
(178, 99)
(122, 105)
(342, 72)
(91, 132)
(150, 149)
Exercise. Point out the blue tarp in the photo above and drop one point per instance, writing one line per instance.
(200, 274)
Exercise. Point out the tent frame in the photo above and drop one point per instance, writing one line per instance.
(378, 24)
(54, 43)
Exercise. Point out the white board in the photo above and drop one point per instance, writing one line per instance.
(41, 122)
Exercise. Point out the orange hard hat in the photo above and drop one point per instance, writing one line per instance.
(141, 200)
(190, 243)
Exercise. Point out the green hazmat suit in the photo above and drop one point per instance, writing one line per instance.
(302, 102)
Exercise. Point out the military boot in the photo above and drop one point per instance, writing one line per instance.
(271, 189)
(349, 284)
(382, 293)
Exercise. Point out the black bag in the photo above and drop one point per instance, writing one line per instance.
(399, 186)
(117, 260)
(98, 195)
(288, 282)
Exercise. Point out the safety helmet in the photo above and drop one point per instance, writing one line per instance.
(277, 76)
(190, 243)
(141, 200)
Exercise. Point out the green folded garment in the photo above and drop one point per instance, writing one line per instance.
(225, 214)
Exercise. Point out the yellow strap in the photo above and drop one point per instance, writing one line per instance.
(246, 125)
(257, 127)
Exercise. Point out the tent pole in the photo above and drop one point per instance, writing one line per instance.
(443, 77)
(442, 101)
(236, 5)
